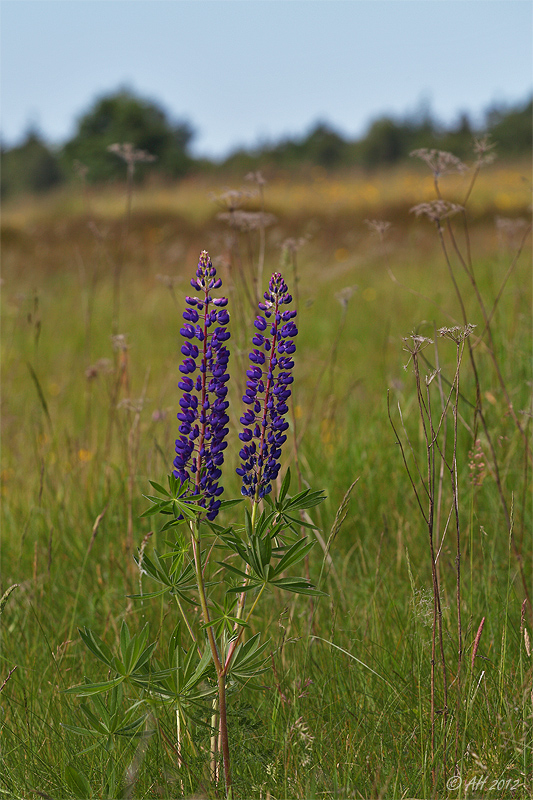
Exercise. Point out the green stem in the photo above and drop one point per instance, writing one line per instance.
(196, 549)
(221, 672)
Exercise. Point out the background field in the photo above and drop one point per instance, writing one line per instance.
(87, 420)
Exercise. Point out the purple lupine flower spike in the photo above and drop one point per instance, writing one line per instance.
(267, 391)
(203, 405)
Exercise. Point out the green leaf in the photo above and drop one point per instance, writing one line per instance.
(97, 726)
(298, 586)
(253, 584)
(297, 552)
(132, 727)
(234, 570)
(173, 523)
(145, 656)
(248, 524)
(230, 503)
(88, 689)
(201, 669)
(78, 783)
(285, 486)
(147, 595)
(159, 488)
(124, 640)
(97, 647)
(305, 499)
(250, 659)
(150, 512)
(78, 730)
(302, 523)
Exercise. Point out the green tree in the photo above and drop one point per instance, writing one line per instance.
(123, 117)
(511, 129)
(324, 146)
(29, 167)
(383, 144)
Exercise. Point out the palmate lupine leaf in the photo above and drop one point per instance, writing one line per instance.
(175, 503)
(285, 506)
(135, 655)
(263, 573)
(133, 649)
(222, 618)
(97, 647)
(178, 677)
(111, 719)
(294, 554)
(249, 661)
(157, 569)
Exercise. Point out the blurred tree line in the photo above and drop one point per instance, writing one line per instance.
(34, 166)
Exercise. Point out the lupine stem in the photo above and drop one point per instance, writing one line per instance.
(220, 668)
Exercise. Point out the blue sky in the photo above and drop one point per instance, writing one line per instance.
(243, 71)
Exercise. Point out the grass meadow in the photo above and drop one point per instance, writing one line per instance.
(409, 679)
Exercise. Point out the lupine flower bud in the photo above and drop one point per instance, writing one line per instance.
(267, 390)
(202, 415)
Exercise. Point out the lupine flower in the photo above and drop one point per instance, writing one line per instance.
(203, 405)
(267, 391)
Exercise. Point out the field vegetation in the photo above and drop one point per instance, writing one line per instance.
(413, 676)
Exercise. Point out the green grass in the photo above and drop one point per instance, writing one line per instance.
(346, 713)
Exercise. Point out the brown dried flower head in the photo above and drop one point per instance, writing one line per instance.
(256, 177)
(292, 245)
(120, 342)
(102, 366)
(458, 333)
(436, 210)
(345, 295)
(380, 227)
(414, 343)
(127, 152)
(483, 148)
(232, 199)
(440, 161)
(247, 220)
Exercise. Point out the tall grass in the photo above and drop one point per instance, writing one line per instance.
(354, 706)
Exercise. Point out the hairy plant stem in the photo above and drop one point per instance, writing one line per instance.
(217, 660)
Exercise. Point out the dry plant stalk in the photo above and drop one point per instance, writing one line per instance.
(440, 211)
(427, 487)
